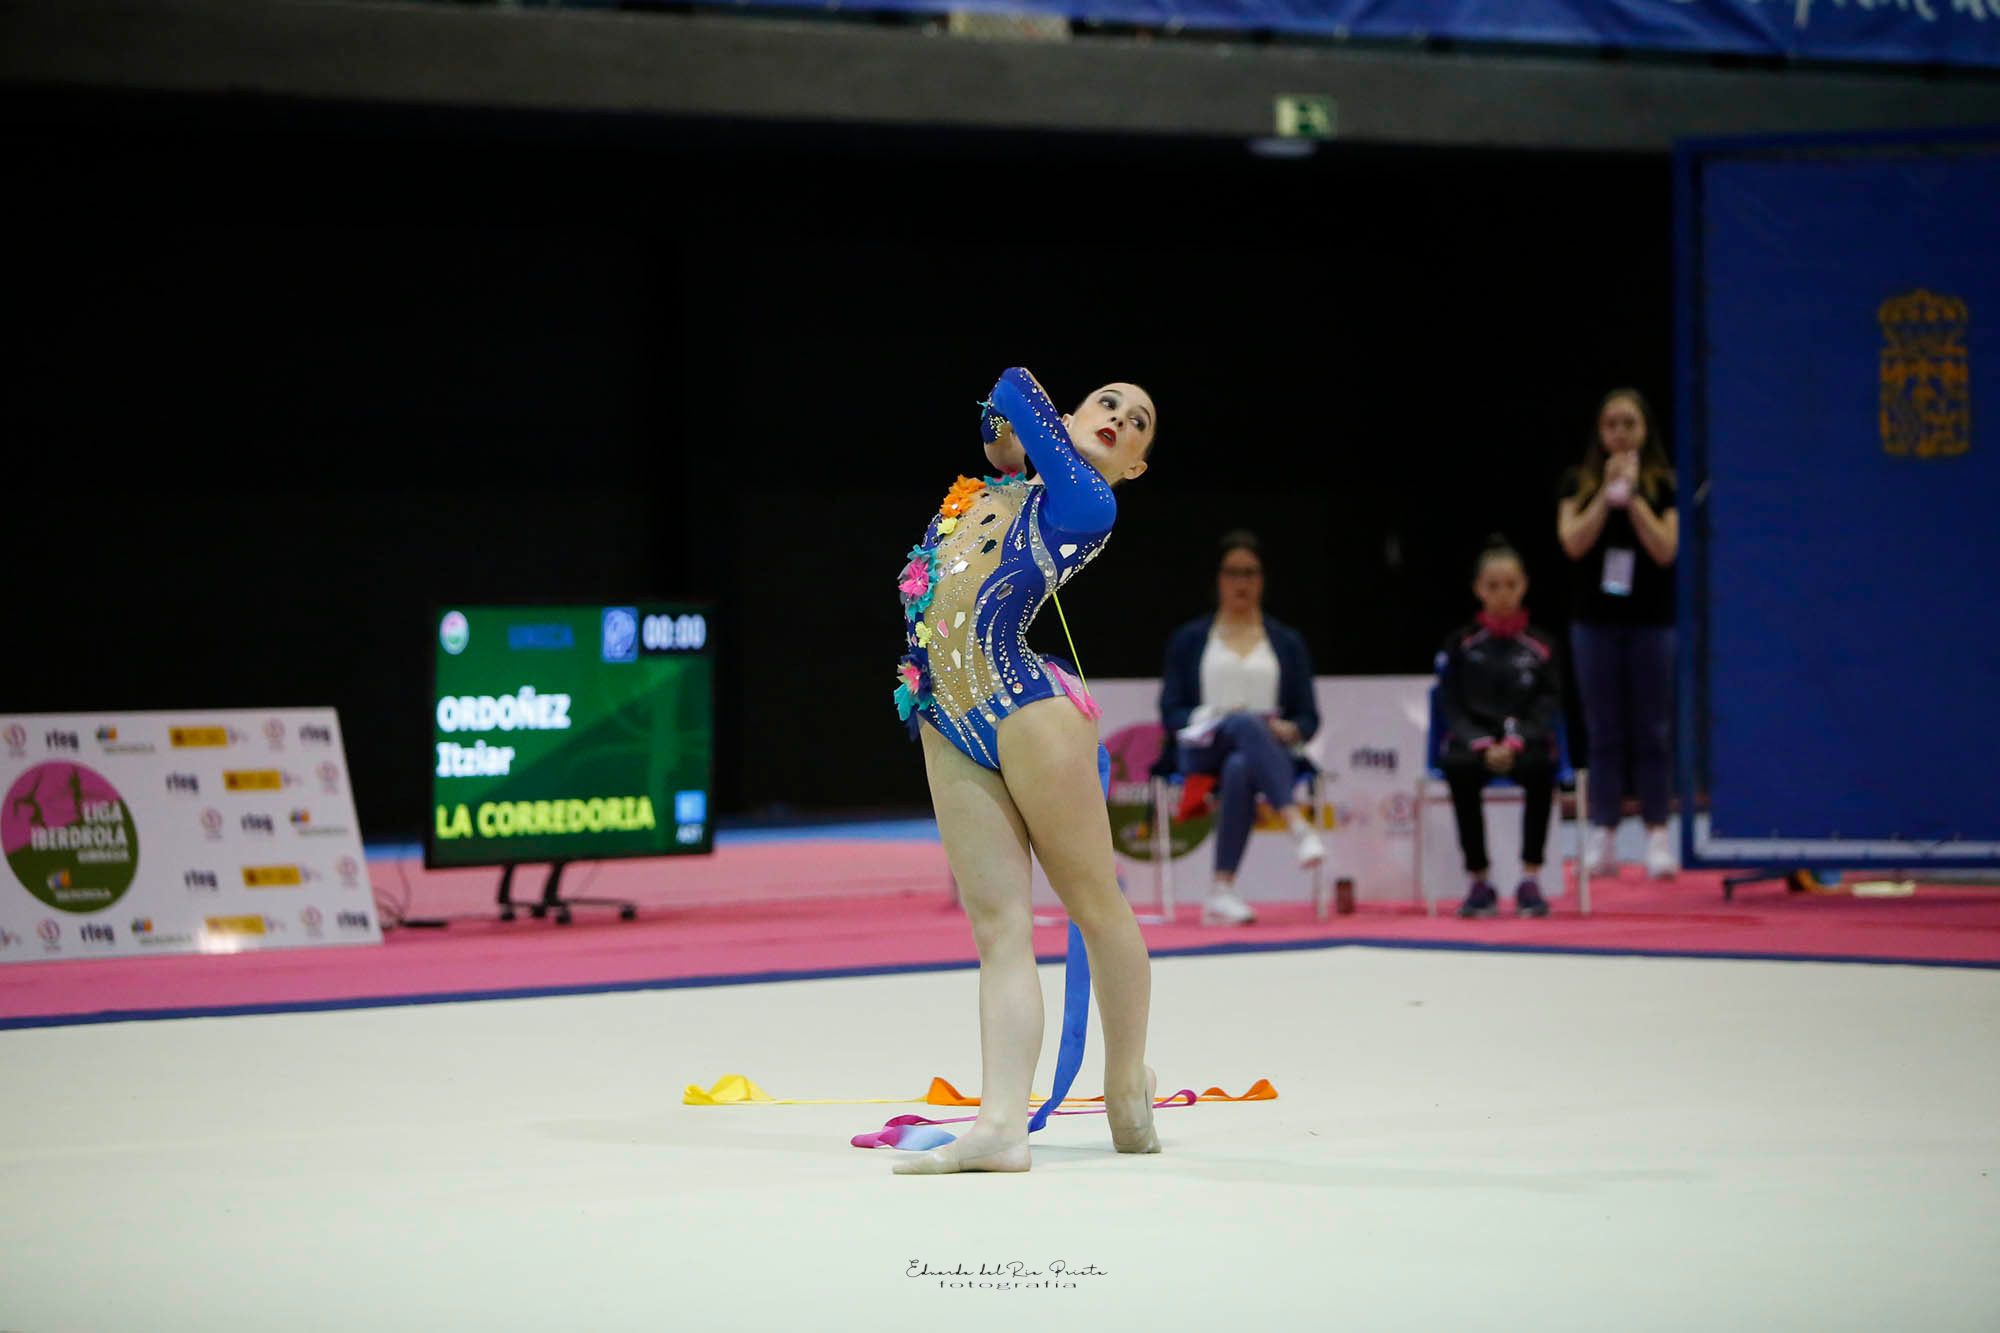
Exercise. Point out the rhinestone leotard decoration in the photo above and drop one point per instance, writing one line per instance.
(989, 560)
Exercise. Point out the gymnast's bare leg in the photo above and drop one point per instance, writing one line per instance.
(986, 843)
(1048, 758)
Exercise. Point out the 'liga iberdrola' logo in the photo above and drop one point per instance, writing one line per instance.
(454, 632)
(69, 838)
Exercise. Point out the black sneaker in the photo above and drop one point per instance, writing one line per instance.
(1481, 901)
(1528, 900)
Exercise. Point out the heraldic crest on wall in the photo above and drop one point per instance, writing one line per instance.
(1926, 379)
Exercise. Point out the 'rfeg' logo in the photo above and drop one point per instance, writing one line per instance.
(1381, 758)
(69, 838)
(17, 740)
(454, 632)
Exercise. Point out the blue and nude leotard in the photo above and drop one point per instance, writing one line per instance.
(995, 552)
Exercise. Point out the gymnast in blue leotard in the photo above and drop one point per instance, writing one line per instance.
(1011, 748)
(988, 562)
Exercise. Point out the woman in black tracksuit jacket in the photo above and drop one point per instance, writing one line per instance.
(1499, 697)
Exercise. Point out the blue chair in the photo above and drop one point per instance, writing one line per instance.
(1569, 778)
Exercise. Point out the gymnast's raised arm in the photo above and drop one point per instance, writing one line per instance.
(1079, 498)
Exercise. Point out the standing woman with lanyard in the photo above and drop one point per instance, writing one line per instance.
(1618, 524)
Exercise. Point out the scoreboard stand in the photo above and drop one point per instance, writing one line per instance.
(552, 903)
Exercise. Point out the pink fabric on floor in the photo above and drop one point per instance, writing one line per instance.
(832, 904)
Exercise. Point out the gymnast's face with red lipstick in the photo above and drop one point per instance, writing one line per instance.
(1112, 429)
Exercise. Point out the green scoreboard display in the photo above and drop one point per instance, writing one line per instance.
(570, 733)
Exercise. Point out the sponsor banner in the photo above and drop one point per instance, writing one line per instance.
(1913, 32)
(1370, 750)
(134, 833)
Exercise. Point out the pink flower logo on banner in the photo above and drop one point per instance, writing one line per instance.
(1133, 751)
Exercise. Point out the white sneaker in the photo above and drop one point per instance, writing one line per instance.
(1660, 861)
(1597, 851)
(1311, 851)
(1224, 908)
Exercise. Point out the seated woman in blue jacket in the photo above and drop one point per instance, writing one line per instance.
(1237, 695)
(1499, 697)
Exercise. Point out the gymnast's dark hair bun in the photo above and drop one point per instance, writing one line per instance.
(1497, 548)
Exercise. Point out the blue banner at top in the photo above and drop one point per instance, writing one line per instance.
(1952, 32)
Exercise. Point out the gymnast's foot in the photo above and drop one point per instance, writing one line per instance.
(978, 1149)
(1131, 1120)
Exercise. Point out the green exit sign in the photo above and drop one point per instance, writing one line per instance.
(1305, 116)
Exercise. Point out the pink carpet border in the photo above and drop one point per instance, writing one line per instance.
(835, 908)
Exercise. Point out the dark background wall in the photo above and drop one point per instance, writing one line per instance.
(289, 375)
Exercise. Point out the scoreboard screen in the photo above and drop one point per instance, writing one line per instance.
(570, 733)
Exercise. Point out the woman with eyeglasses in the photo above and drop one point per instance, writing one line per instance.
(1237, 697)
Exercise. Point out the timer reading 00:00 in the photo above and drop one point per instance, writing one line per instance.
(674, 633)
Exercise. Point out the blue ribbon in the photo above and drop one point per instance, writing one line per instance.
(1076, 993)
